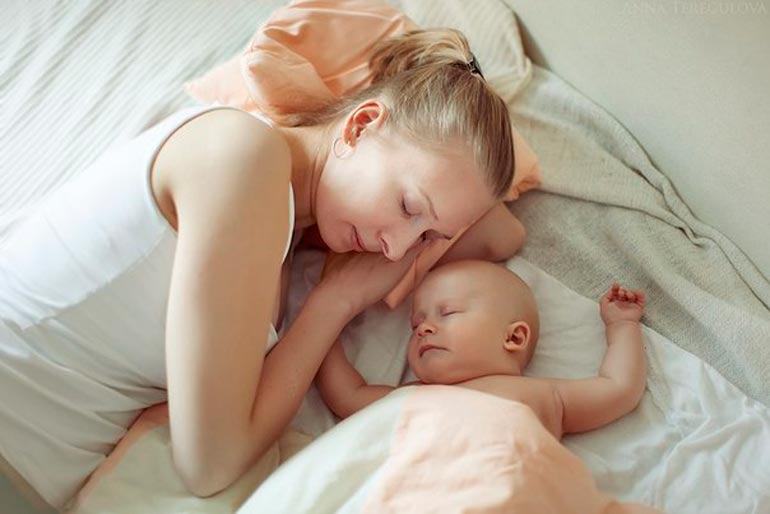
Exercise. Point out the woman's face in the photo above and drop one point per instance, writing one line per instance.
(389, 193)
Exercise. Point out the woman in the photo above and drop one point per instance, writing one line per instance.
(156, 273)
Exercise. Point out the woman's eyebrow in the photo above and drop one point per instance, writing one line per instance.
(432, 211)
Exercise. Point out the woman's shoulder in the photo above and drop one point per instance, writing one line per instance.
(237, 132)
(222, 142)
(220, 148)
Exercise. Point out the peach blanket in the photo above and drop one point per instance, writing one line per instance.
(448, 450)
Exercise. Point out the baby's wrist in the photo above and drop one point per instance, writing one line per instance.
(621, 322)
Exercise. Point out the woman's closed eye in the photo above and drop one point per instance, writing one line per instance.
(408, 212)
(405, 210)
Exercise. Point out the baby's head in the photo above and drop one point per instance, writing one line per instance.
(471, 319)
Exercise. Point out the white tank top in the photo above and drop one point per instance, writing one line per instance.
(84, 283)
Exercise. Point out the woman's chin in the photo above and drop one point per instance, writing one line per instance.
(340, 245)
(331, 241)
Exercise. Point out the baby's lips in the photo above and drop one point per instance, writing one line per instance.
(425, 347)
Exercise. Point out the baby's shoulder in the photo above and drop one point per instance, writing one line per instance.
(538, 394)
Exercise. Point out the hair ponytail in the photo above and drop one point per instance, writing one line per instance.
(437, 47)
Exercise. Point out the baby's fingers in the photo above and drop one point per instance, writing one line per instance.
(635, 296)
(609, 295)
(629, 296)
(621, 294)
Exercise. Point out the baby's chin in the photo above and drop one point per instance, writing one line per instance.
(428, 375)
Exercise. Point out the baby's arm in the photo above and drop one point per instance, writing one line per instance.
(594, 402)
(342, 387)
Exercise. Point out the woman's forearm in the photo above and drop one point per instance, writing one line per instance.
(497, 236)
(290, 367)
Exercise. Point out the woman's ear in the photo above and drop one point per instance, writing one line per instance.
(517, 336)
(370, 115)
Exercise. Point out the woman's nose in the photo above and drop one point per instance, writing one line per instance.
(395, 247)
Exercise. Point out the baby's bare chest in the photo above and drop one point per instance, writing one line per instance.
(535, 393)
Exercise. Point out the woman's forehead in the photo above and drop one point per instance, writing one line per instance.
(440, 160)
(446, 179)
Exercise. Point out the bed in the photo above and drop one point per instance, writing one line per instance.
(647, 179)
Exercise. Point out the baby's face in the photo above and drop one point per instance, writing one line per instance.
(458, 327)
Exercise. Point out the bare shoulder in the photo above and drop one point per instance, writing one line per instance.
(538, 394)
(220, 145)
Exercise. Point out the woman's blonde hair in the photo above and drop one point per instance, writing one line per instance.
(433, 98)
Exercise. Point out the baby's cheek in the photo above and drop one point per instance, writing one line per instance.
(411, 355)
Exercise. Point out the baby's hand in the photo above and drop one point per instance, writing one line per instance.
(621, 305)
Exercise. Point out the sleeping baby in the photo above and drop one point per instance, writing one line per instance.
(475, 327)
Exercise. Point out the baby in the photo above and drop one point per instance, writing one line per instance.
(475, 325)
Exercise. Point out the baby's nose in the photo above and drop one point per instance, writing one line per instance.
(424, 329)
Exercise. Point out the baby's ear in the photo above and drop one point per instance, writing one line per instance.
(517, 336)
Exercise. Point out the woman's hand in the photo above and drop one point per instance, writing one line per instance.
(362, 279)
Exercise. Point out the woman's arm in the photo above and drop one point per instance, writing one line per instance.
(497, 236)
(342, 387)
(227, 401)
(230, 195)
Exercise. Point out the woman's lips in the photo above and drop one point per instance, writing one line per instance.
(357, 243)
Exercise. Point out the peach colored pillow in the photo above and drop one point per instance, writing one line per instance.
(313, 50)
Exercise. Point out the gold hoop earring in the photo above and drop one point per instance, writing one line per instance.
(341, 154)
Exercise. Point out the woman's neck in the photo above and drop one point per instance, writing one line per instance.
(309, 148)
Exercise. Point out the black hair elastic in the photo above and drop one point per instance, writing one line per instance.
(475, 67)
